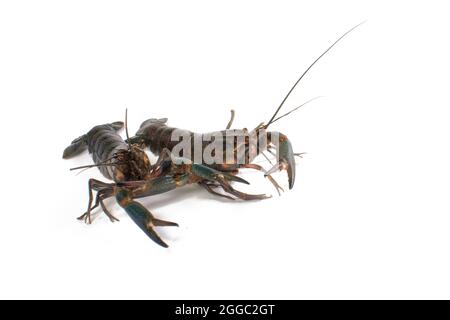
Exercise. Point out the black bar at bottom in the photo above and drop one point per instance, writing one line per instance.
(227, 309)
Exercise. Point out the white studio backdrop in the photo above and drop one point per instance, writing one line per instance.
(368, 216)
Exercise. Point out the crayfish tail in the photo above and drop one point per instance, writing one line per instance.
(75, 148)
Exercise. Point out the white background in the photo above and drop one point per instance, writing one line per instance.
(368, 216)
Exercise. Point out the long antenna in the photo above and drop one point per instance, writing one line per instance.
(94, 165)
(126, 128)
(102, 163)
(288, 113)
(306, 71)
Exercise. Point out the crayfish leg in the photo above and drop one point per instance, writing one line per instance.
(103, 191)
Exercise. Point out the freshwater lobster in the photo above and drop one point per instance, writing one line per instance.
(134, 176)
(127, 164)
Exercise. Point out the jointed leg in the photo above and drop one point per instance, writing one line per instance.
(87, 215)
(102, 197)
(209, 187)
(101, 187)
(241, 195)
(268, 176)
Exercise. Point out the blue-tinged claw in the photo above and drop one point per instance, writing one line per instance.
(210, 174)
(142, 217)
(286, 160)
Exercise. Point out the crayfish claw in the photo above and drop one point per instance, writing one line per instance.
(142, 217)
(286, 160)
(151, 233)
(163, 223)
(213, 175)
(231, 177)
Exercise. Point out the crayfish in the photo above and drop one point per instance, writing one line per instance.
(180, 161)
